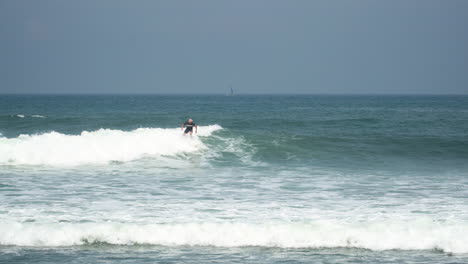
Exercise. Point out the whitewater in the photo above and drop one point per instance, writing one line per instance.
(391, 235)
(99, 147)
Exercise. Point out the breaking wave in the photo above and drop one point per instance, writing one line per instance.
(99, 147)
(417, 235)
(20, 116)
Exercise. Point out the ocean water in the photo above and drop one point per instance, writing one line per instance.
(267, 179)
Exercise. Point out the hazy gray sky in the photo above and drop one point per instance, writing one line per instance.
(349, 46)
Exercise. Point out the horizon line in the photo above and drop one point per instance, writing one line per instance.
(243, 94)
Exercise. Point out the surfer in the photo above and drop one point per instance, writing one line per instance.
(189, 125)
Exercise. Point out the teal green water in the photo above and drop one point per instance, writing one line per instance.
(267, 179)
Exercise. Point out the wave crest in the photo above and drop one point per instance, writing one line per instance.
(419, 235)
(99, 147)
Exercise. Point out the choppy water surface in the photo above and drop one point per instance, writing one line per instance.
(268, 179)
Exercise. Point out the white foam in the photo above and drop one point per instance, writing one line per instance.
(38, 116)
(416, 235)
(99, 147)
(20, 116)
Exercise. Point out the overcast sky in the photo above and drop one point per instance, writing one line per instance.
(349, 46)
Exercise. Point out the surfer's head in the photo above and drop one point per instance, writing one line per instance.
(190, 120)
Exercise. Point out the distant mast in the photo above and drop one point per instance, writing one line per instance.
(231, 92)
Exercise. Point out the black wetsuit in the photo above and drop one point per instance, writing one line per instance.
(188, 127)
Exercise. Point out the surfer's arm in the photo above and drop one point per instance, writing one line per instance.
(182, 127)
(196, 128)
